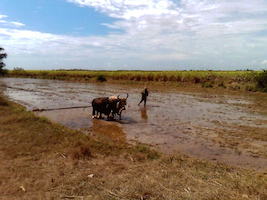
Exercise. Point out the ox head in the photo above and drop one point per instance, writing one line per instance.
(122, 103)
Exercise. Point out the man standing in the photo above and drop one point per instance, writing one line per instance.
(144, 96)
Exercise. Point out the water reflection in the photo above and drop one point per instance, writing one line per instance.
(144, 113)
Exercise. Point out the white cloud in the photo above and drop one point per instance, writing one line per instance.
(8, 23)
(196, 31)
(2, 16)
(17, 24)
(127, 9)
(264, 62)
(3, 21)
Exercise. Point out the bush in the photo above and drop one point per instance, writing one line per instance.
(3, 72)
(196, 80)
(18, 69)
(221, 84)
(262, 81)
(101, 78)
(207, 85)
(250, 88)
(234, 87)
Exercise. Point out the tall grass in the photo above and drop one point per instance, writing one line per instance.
(262, 81)
(231, 80)
(160, 76)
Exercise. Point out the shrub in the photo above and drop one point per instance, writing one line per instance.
(138, 78)
(196, 80)
(164, 78)
(262, 81)
(207, 85)
(101, 78)
(150, 77)
(18, 69)
(234, 87)
(178, 79)
(221, 84)
(4, 72)
(250, 88)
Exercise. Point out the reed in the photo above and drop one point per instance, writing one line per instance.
(231, 80)
(237, 76)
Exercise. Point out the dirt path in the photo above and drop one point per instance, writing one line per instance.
(231, 129)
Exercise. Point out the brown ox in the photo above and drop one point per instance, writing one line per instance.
(109, 106)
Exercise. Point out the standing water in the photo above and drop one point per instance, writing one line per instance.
(219, 127)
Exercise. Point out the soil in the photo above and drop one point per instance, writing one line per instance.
(210, 124)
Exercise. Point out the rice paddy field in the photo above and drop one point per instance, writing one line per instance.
(41, 159)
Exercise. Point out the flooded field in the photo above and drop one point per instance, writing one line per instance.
(216, 126)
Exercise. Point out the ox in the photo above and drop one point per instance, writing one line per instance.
(120, 105)
(102, 105)
(110, 106)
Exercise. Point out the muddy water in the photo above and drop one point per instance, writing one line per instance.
(230, 129)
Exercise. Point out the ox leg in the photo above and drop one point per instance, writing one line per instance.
(120, 113)
(97, 114)
(93, 113)
(100, 115)
(111, 115)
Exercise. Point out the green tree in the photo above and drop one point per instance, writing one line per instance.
(2, 65)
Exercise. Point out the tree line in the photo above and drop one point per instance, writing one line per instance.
(2, 64)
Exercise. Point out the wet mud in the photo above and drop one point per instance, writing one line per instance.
(216, 126)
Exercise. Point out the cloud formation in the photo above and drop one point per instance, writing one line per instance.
(194, 34)
(8, 23)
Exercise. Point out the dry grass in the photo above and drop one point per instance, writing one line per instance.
(42, 160)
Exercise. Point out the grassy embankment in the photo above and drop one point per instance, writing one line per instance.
(231, 80)
(43, 160)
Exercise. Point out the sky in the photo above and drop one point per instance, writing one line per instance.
(134, 34)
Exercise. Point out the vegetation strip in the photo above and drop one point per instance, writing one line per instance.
(232, 80)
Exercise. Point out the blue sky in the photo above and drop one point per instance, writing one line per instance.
(134, 34)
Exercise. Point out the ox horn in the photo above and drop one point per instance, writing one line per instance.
(118, 96)
(127, 96)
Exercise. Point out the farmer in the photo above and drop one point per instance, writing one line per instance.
(144, 96)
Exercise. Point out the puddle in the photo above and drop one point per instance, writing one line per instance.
(226, 128)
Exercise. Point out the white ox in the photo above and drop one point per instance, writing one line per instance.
(120, 105)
